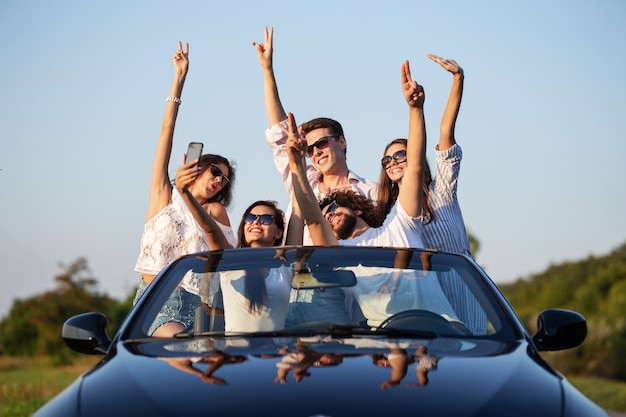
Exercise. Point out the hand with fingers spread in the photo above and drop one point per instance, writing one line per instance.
(451, 112)
(446, 229)
(449, 65)
(413, 92)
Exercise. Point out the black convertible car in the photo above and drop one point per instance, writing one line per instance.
(323, 331)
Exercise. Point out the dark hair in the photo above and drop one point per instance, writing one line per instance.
(254, 284)
(388, 190)
(324, 123)
(225, 195)
(355, 202)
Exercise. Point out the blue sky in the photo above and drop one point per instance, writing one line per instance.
(542, 123)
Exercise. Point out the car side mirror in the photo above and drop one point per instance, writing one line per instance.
(559, 329)
(87, 333)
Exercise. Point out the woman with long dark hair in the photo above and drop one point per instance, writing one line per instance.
(170, 229)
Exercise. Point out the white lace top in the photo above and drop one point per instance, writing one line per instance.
(173, 232)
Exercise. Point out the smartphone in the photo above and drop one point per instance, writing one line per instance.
(194, 151)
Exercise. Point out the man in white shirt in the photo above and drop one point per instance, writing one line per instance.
(347, 219)
(324, 138)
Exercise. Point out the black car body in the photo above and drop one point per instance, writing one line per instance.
(419, 360)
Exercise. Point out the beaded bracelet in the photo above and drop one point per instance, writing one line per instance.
(174, 99)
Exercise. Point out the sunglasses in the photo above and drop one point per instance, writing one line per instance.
(321, 143)
(330, 209)
(398, 156)
(217, 172)
(264, 219)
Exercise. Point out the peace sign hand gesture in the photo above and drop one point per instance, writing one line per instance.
(181, 59)
(296, 145)
(265, 50)
(413, 92)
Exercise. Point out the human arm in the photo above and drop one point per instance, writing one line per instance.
(450, 113)
(400, 262)
(273, 106)
(276, 116)
(183, 364)
(160, 187)
(216, 363)
(218, 212)
(399, 363)
(410, 194)
(321, 232)
(185, 175)
(281, 375)
(295, 225)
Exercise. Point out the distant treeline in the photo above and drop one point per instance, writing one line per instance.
(596, 288)
(33, 326)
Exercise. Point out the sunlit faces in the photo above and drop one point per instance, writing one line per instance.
(218, 174)
(212, 180)
(321, 143)
(260, 227)
(394, 161)
(328, 148)
(341, 219)
(329, 209)
(264, 219)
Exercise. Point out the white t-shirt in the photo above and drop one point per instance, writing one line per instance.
(406, 290)
(399, 230)
(237, 317)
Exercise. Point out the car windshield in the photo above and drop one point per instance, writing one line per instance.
(286, 290)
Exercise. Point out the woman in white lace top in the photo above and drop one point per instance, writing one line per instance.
(170, 229)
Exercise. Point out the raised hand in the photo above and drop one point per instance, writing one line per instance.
(186, 174)
(413, 92)
(264, 50)
(181, 59)
(296, 145)
(449, 65)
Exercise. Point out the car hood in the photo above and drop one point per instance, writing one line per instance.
(454, 377)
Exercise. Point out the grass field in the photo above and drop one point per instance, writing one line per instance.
(27, 383)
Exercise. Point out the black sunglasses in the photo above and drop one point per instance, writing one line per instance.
(264, 219)
(398, 156)
(321, 143)
(217, 172)
(331, 208)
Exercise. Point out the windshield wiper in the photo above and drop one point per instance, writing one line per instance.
(319, 328)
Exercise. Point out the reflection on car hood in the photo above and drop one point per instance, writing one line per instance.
(452, 377)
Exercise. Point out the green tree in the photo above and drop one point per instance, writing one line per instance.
(33, 326)
(474, 243)
(594, 287)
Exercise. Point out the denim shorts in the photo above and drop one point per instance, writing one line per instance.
(180, 307)
(311, 305)
(141, 288)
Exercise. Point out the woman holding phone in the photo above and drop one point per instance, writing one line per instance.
(170, 229)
